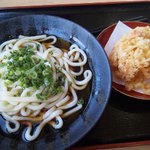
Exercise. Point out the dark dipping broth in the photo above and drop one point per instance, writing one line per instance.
(48, 132)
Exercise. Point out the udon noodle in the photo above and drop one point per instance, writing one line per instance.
(38, 83)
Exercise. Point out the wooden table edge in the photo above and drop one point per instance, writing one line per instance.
(113, 146)
(102, 2)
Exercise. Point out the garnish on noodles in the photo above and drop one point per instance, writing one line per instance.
(38, 82)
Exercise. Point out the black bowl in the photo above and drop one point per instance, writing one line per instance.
(101, 81)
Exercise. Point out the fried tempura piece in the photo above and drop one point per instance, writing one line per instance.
(130, 57)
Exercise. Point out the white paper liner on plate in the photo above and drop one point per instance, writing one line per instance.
(118, 32)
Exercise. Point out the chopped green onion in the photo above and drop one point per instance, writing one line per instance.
(51, 53)
(70, 83)
(28, 94)
(7, 83)
(32, 71)
(80, 101)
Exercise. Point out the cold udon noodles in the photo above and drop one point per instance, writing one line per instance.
(38, 83)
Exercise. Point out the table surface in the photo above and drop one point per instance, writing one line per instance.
(51, 3)
(124, 119)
